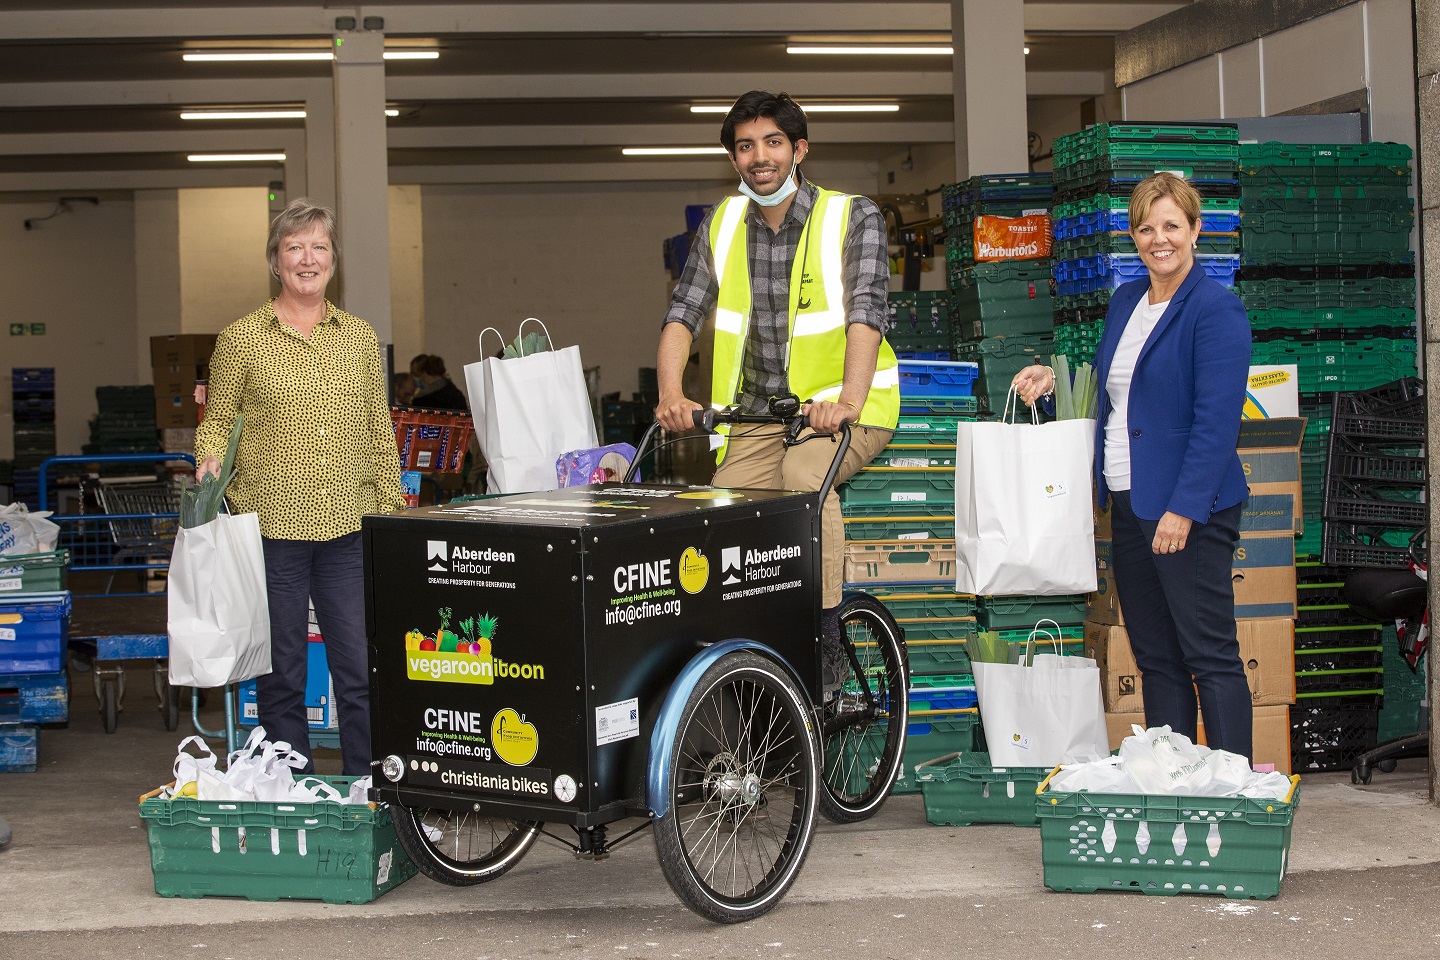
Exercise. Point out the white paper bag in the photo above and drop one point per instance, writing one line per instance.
(1039, 715)
(528, 411)
(219, 613)
(1023, 519)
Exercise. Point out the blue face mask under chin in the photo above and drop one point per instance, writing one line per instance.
(779, 196)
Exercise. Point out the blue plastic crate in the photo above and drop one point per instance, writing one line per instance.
(34, 699)
(1118, 221)
(32, 633)
(19, 747)
(1088, 274)
(938, 378)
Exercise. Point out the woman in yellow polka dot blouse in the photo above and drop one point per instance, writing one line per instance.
(317, 452)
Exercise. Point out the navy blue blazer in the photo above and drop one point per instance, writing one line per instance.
(1185, 400)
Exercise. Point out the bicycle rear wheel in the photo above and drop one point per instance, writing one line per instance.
(863, 725)
(462, 847)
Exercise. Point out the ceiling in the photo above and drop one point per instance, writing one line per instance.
(90, 91)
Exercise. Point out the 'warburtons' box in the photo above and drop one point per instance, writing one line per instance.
(1267, 648)
(1262, 571)
(1270, 738)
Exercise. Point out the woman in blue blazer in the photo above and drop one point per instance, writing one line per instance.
(1173, 361)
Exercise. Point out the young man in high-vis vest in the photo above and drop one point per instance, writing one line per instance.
(797, 278)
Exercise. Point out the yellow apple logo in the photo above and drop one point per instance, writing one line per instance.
(694, 570)
(514, 738)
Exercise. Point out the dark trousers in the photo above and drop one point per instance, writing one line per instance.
(330, 573)
(1180, 614)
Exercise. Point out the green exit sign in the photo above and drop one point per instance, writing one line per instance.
(37, 329)
(17, 329)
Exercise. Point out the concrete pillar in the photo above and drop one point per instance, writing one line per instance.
(1427, 181)
(991, 132)
(157, 272)
(362, 179)
(317, 177)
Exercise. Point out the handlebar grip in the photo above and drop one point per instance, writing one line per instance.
(704, 419)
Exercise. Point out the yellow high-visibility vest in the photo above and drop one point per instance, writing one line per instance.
(816, 342)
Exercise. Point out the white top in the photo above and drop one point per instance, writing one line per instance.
(1117, 387)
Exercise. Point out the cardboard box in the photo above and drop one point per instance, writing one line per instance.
(1266, 646)
(1103, 606)
(187, 350)
(1272, 391)
(178, 439)
(319, 692)
(176, 362)
(1270, 455)
(1269, 741)
(1263, 572)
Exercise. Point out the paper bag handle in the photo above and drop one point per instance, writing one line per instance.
(1008, 414)
(520, 333)
(1053, 637)
(481, 340)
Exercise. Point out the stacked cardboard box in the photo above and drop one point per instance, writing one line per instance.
(1265, 597)
(177, 362)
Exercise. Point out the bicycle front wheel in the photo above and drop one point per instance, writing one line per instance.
(863, 724)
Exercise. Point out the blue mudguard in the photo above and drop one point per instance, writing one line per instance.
(667, 724)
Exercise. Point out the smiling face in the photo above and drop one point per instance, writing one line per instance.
(763, 155)
(305, 262)
(1166, 240)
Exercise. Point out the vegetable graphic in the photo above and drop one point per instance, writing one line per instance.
(488, 625)
(413, 640)
(446, 641)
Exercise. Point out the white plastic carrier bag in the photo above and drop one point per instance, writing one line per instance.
(1023, 518)
(219, 611)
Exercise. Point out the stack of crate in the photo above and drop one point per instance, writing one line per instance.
(1000, 311)
(1095, 172)
(33, 396)
(35, 612)
(1328, 278)
(124, 421)
(900, 547)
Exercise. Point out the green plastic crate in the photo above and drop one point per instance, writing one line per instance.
(1000, 358)
(931, 734)
(938, 656)
(1329, 319)
(1275, 154)
(896, 486)
(1005, 613)
(33, 573)
(943, 603)
(1104, 244)
(1234, 847)
(1103, 201)
(1329, 365)
(918, 455)
(938, 628)
(338, 853)
(919, 321)
(921, 430)
(963, 788)
(900, 528)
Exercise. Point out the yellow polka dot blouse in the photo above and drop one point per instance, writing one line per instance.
(318, 448)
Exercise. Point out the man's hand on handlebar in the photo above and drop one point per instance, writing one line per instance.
(676, 413)
(827, 417)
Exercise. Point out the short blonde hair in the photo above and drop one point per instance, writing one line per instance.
(1163, 184)
(298, 216)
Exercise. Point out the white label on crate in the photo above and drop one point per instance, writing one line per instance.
(914, 426)
(10, 583)
(382, 870)
(904, 497)
(910, 462)
(922, 535)
(617, 721)
(422, 458)
(7, 633)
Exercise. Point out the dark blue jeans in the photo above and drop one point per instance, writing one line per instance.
(329, 572)
(1180, 614)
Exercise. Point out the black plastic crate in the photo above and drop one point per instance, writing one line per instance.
(1352, 501)
(1357, 461)
(1372, 428)
(1328, 733)
(1354, 545)
(1310, 638)
(1309, 273)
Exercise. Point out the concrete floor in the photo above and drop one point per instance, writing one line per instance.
(1364, 866)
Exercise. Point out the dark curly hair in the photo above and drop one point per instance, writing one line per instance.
(761, 103)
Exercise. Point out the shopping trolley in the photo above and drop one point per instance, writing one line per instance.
(125, 526)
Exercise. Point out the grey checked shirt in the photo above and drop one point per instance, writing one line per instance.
(865, 262)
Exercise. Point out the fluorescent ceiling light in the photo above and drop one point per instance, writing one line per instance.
(242, 56)
(811, 108)
(887, 51)
(235, 157)
(1027, 51)
(242, 115)
(237, 55)
(256, 114)
(671, 151)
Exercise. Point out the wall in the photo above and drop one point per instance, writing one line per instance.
(223, 273)
(76, 275)
(1366, 45)
(584, 258)
(407, 274)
